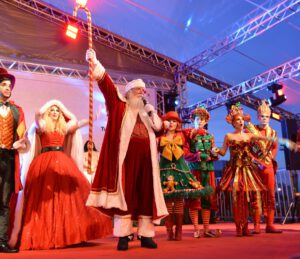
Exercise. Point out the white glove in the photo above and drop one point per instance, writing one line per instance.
(166, 125)
(149, 108)
(97, 69)
(215, 151)
(91, 55)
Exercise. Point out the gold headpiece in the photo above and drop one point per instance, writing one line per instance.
(234, 111)
(264, 108)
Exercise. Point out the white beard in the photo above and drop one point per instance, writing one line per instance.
(135, 103)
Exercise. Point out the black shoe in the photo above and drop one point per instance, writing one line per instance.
(123, 243)
(4, 248)
(148, 242)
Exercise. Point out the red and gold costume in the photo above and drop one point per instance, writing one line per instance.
(240, 175)
(13, 128)
(264, 152)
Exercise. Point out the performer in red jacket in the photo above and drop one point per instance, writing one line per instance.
(127, 181)
(12, 141)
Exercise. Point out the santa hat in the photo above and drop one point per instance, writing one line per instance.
(134, 83)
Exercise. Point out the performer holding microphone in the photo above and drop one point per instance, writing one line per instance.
(127, 181)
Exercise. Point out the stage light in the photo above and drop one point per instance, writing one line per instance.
(72, 31)
(275, 116)
(278, 95)
(82, 3)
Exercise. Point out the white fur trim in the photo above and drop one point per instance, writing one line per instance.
(134, 83)
(106, 200)
(145, 227)
(128, 124)
(98, 71)
(69, 115)
(122, 225)
(109, 200)
(73, 147)
(25, 160)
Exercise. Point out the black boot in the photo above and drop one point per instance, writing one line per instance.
(4, 248)
(123, 243)
(148, 242)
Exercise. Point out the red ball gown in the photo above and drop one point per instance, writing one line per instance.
(54, 213)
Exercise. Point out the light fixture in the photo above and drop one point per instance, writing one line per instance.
(82, 3)
(278, 95)
(275, 116)
(72, 31)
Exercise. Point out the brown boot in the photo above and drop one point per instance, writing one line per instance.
(270, 220)
(178, 230)
(169, 226)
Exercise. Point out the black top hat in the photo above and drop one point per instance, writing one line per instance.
(5, 74)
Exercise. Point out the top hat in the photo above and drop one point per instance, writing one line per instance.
(5, 74)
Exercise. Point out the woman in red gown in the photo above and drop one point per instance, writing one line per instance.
(54, 211)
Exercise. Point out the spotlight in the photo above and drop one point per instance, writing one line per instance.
(278, 95)
(275, 116)
(72, 31)
(82, 3)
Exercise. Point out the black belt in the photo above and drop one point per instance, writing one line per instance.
(47, 149)
(7, 151)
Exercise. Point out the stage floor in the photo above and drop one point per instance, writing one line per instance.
(285, 245)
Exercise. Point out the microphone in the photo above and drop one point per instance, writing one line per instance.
(146, 102)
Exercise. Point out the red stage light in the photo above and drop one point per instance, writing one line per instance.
(72, 31)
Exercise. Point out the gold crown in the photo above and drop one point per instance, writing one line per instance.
(264, 108)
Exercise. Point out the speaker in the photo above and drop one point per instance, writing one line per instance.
(289, 131)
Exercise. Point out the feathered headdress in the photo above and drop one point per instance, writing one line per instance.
(236, 110)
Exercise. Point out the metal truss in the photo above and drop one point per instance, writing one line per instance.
(78, 74)
(132, 49)
(100, 35)
(285, 71)
(249, 27)
(160, 102)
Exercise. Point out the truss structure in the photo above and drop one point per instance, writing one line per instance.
(285, 71)
(249, 27)
(132, 49)
(78, 74)
(100, 35)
